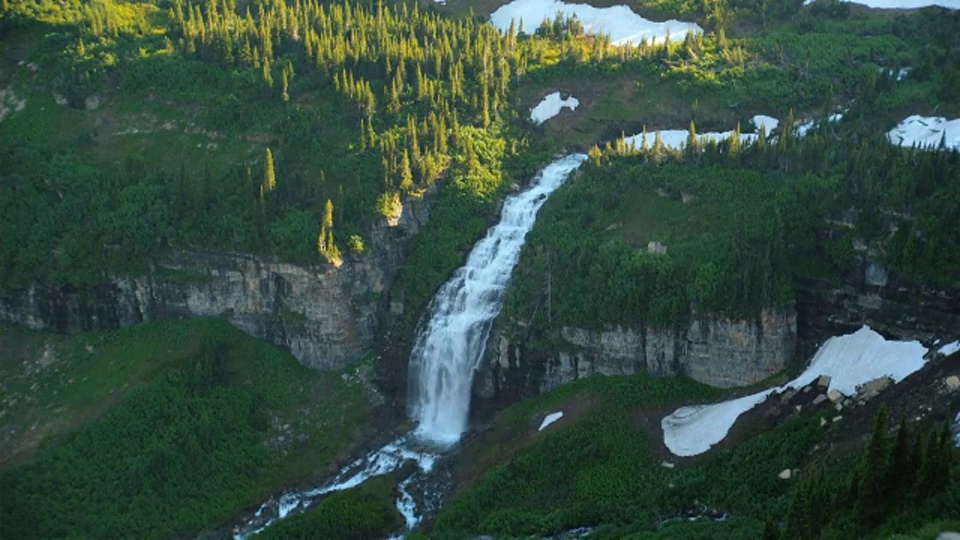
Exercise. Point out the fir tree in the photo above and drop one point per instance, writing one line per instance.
(269, 176)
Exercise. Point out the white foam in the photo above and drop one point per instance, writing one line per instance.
(549, 419)
(849, 360)
(449, 348)
(550, 106)
(926, 132)
(619, 22)
(387, 459)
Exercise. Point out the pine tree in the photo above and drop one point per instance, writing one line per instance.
(269, 176)
(406, 175)
(872, 497)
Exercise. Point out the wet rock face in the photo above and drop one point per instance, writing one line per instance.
(718, 352)
(327, 316)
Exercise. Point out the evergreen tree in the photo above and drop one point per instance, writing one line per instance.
(269, 176)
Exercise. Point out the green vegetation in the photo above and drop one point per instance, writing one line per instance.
(162, 429)
(600, 468)
(900, 482)
(741, 226)
(358, 104)
(366, 511)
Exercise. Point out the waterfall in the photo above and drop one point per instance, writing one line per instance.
(448, 349)
(444, 357)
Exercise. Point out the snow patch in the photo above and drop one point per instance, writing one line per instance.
(804, 127)
(768, 122)
(619, 22)
(926, 131)
(950, 348)
(849, 360)
(900, 4)
(549, 419)
(675, 139)
(551, 106)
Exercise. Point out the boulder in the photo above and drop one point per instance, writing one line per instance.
(785, 474)
(823, 422)
(837, 418)
(787, 396)
(824, 381)
(952, 382)
(819, 399)
(835, 396)
(667, 464)
(871, 389)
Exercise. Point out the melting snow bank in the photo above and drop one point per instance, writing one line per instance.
(900, 4)
(926, 131)
(550, 106)
(805, 127)
(549, 419)
(619, 22)
(675, 139)
(950, 348)
(383, 461)
(849, 360)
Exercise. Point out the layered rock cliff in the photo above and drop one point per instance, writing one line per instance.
(326, 316)
(715, 351)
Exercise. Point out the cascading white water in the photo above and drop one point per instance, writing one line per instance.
(444, 357)
(448, 350)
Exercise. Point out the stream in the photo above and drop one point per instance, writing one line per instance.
(445, 356)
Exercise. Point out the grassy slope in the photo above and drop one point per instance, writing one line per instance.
(600, 466)
(63, 397)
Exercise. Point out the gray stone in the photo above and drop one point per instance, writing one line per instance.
(785, 474)
(835, 396)
(326, 316)
(787, 396)
(876, 274)
(823, 422)
(952, 382)
(819, 399)
(948, 535)
(656, 247)
(823, 381)
(667, 464)
(871, 389)
(837, 418)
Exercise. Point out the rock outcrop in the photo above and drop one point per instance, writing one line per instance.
(326, 316)
(719, 352)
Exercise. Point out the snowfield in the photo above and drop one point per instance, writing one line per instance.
(675, 139)
(849, 360)
(551, 106)
(926, 131)
(549, 419)
(950, 348)
(619, 22)
(901, 4)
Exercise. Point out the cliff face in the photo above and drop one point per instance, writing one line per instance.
(719, 352)
(883, 300)
(326, 316)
